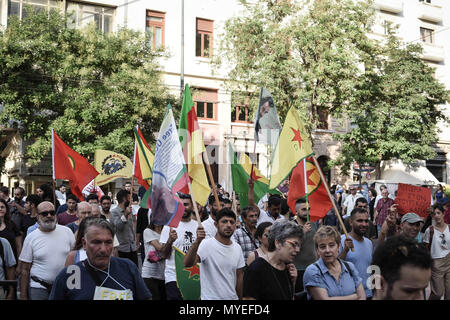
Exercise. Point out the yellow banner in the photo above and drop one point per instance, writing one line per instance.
(111, 165)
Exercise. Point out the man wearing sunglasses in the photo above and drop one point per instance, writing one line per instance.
(44, 254)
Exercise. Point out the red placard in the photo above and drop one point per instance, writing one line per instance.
(413, 199)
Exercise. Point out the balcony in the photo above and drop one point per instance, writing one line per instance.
(433, 53)
(430, 12)
(392, 6)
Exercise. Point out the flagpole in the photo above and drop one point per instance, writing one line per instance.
(194, 204)
(54, 193)
(306, 189)
(211, 179)
(336, 211)
(233, 199)
(253, 162)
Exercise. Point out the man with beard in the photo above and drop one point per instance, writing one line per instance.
(361, 256)
(405, 269)
(44, 254)
(307, 254)
(410, 225)
(100, 276)
(221, 260)
(245, 235)
(273, 212)
(17, 207)
(181, 237)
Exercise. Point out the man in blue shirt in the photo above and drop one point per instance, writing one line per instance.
(361, 257)
(100, 276)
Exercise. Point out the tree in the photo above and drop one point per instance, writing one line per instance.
(318, 57)
(92, 88)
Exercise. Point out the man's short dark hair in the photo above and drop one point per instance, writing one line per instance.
(438, 206)
(356, 211)
(34, 199)
(300, 200)
(261, 227)
(225, 212)
(92, 196)
(5, 190)
(105, 197)
(361, 200)
(246, 210)
(100, 223)
(122, 195)
(398, 251)
(71, 197)
(274, 200)
(22, 190)
(212, 199)
(226, 201)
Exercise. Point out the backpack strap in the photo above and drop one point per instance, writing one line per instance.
(348, 268)
(431, 237)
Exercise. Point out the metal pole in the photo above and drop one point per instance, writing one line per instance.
(182, 51)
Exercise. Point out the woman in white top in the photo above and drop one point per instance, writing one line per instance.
(154, 263)
(438, 239)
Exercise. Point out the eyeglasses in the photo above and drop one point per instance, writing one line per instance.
(294, 244)
(46, 213)
(443, 241)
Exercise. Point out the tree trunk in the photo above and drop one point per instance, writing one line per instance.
(378, 170)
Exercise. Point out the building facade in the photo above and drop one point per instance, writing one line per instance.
(426, 21)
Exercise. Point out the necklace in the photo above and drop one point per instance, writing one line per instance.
(278, 282)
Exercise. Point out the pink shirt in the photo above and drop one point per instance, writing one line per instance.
(382, 208)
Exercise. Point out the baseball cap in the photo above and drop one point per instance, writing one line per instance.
(411, 217)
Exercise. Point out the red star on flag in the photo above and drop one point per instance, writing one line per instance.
(254, 176)
(308, 176)
(193, 271)
(297, 137)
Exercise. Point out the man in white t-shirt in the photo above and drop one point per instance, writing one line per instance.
(273, 212)
(181, 237)
(44, 254)
(350, 201)
(209, 224)
(221, 260)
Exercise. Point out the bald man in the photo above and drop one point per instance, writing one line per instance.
(44, 254)
(84, 210)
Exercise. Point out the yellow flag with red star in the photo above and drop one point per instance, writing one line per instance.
(294, 144)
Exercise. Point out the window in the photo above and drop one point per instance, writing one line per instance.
(323, 120)
(206, 104)
(154, 28)
(80, 15)
(240, 114)
(204, 38)
(427, 1)
(18, 7)
(427, 35)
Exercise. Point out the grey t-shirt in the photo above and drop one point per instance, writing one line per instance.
(10, 261)
(307, 254)
(124, 230)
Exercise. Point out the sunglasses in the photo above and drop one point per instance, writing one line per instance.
(46, 213)
(443, 241)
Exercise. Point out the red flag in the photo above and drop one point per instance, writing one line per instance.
(70, 165)
(318, 199)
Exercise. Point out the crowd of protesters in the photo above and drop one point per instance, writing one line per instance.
(260, 252)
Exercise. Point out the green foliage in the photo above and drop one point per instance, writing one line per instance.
(317, 56)
(92, 88)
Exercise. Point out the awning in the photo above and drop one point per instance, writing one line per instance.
(395, 171)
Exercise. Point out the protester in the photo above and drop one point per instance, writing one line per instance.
(273, 210)
(330, 278)
(440, 195)
(372, 197)
(307, 254)
(92, 198)
(262, 234)
(154, 263)
(405, 267)
(122, 220)
(84, 210)
(350, 202)
(209, 224)
(17, 207)
(43, 255)
(7, 264)
(31, 218)
(382, 209)
(273, 277)
(245, 235)
(221, 260)
(105, 202)
(410, 226)
(8, 229)
(45, 191)
(61, 194)
(128, 187)
(78, 253)
(371, 231)
(102, 277)
(70, 215)
(182, 238)
(361, 256)
(437, 237)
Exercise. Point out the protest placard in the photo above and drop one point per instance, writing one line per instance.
(413, 199)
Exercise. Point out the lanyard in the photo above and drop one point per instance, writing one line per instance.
(91, 269)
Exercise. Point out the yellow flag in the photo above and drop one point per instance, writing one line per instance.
(246, 163)
(293, 145)
(111, 165)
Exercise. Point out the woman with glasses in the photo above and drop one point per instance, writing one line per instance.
(331, 278)
(438, 239)
(273, 276)
(262, 234)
